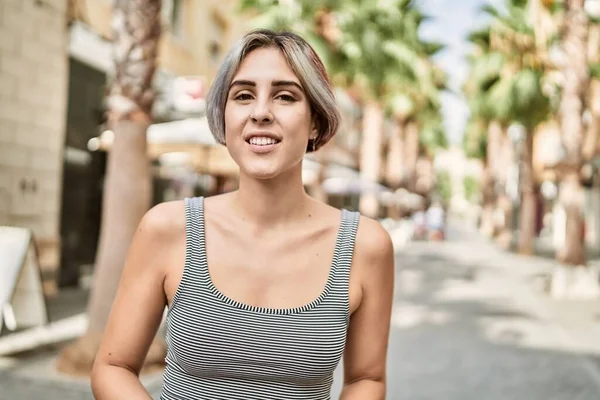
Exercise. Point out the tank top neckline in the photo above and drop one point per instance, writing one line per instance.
(342, 228)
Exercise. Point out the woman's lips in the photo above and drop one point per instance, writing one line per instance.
(263, 148)
(262, 144)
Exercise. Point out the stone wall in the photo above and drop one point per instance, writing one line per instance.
(33, 97)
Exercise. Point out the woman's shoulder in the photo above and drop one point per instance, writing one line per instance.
(164, 220)
(373, 247)
(159, 237)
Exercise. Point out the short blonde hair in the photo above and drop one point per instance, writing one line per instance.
(305, 63)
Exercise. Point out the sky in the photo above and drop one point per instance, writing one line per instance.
(450, 23)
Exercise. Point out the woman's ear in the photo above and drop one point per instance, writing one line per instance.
(314, 129)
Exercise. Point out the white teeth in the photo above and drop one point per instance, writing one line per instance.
(262, 141)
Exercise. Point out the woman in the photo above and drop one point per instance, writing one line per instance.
(266, 287)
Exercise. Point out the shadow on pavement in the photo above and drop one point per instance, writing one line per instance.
(466, 325)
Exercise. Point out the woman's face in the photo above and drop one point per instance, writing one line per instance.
(267, 116)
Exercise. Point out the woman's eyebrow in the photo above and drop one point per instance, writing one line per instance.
(287, 83)
(243, 82)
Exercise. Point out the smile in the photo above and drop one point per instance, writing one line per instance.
(262, 144)
(262, 141)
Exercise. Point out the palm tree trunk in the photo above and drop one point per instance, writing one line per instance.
(394, 163)
(572, 198)
(370, 165)
(136, 30)
(504, 204)
(394, 158)
(590, 144)
(411, 154)
(488, 200)
(490, 175)
(571, 110)
(591, 139)
(528, 200)
(127, 198)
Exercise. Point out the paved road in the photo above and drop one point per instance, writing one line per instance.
(467, 324)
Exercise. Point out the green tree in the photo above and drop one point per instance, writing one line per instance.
(416, 110)
(443, 186)
(485, 131)
(511, 92)
(471, 188)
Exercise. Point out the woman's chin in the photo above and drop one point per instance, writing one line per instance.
(268, 168)
(261, 172)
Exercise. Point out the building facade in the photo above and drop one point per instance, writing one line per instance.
(33, 101)
(55, 65)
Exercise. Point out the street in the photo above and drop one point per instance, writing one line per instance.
(469, 322)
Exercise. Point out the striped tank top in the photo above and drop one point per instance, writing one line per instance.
(219, 348)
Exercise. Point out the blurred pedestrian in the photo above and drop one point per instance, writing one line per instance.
(266, 287)
(419, 221)
(436, 221)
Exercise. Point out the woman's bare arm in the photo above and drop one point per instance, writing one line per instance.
(367, 342)
(138, 307)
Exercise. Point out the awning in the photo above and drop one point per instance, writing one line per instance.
(185, 131)
(312, 168)
(352, 185)
(342, 180)
(191, 136)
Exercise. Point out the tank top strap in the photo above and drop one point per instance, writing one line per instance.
(344, 248)
(195, 231)
(194, 275)
(196, 239)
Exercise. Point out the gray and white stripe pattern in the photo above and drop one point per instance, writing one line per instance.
(219, 348)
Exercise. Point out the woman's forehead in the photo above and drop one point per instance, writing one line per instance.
(265, 65)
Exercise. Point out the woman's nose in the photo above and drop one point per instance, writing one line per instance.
(261, 113)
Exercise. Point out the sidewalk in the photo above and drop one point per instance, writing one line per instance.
(545, 248)
(471, 322)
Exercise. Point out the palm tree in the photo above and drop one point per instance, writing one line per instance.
(577, 68)
(416, 111)
(576, 78)
(486, 133)
(393, 66)
(136, 32)
(383, 56)
(315, 21)
(481, 136)
(512, 93)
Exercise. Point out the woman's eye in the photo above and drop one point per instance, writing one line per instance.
(243, 96)
(286, 97)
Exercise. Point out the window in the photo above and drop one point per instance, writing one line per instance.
(177, 18)
(172, 16)
(214, 51)
(216, 32)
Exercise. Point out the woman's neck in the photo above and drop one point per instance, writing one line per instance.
(270, 203)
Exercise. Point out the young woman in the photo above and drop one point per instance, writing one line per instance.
(266, 288)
